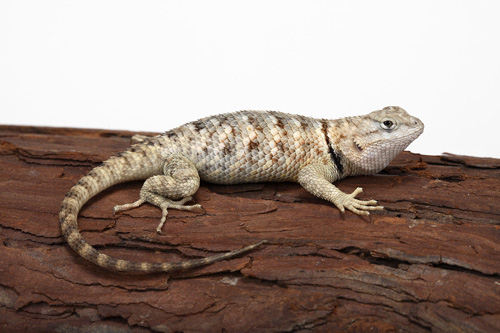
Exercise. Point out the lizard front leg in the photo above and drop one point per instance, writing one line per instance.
(180, 180)
(318, 178)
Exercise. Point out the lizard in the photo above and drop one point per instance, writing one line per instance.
(242, 147)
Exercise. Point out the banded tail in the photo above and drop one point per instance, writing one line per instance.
(140, 162)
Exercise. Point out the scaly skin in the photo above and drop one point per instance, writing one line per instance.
(243, 147)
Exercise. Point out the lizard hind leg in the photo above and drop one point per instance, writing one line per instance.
(180, 180)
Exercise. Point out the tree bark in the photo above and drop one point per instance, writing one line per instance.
(429, 261)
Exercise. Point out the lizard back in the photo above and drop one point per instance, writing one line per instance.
(249, 146)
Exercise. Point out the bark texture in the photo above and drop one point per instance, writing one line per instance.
(430, 261)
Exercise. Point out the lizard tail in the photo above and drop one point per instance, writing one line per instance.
(138, 163)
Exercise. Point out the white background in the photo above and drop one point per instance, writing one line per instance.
(154, 65)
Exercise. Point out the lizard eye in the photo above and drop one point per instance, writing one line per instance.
(388, 124)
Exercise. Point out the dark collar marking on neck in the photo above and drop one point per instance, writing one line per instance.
(337, 160)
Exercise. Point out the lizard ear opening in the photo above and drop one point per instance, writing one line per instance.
(357, 146)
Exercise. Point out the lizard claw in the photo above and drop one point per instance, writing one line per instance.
(359, 207)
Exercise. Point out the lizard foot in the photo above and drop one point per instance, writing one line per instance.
(359, 207)
(164, 204)
(121, 208)
(179, 205)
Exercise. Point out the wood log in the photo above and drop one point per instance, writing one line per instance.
(429, 261)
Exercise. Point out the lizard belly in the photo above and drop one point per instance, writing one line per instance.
(232, 169)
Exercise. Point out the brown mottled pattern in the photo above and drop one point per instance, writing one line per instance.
(242, 147)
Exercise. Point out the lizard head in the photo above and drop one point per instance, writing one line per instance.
(375, 139)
